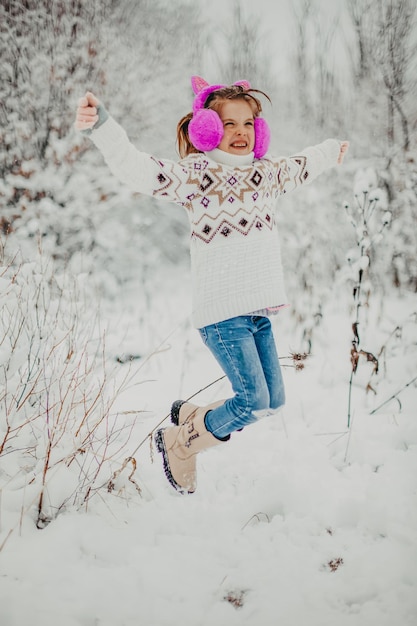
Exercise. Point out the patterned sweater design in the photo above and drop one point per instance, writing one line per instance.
(234, 244)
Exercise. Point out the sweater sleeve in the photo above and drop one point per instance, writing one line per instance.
(304, 167)
(138, 170)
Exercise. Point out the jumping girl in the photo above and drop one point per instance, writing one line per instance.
(228, 185)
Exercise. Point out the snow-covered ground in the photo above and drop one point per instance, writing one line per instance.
(297, 521)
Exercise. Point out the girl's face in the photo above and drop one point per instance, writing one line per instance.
(238, 123)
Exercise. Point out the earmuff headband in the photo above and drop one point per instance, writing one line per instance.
(206, 128)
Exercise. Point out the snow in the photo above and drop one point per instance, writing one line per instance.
(297, 520)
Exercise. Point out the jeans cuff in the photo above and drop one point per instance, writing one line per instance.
(208, 430)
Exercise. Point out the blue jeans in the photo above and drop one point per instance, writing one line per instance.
(245, 349)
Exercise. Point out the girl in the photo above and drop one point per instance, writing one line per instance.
(228, 186)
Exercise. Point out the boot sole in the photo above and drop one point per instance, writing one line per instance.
(160, 446)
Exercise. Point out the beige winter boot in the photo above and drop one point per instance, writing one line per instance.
(180, 445)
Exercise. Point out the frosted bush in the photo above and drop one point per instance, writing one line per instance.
(56, 388)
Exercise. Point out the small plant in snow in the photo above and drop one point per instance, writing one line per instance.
(369, 217)
(236, 597)
(334, 564)
(58, 436)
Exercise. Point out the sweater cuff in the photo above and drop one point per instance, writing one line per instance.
(103, 116)
(332, 147)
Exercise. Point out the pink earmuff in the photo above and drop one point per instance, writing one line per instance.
(262, 137)
(206, 128)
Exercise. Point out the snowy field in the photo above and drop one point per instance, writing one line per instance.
(306, 518)
(297, 521)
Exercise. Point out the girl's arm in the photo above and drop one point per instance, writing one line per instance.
(304, 167)
(139, 171)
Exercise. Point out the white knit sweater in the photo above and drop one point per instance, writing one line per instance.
(231, 202)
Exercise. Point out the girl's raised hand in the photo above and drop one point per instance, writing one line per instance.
(87, 114)
(344, 145)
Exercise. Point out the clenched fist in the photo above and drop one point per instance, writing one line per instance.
(87, 113)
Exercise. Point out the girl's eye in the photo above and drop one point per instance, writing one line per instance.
(249, 123)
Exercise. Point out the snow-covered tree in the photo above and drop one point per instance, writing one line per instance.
(54, 183)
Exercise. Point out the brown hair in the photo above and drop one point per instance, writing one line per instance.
(214, 101)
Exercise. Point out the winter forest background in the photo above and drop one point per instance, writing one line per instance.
(95, 335)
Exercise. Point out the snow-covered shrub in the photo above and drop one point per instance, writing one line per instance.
(58, 435)
(369, 217)
(313, 230)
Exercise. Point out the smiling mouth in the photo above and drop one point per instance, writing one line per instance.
(239, 144)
